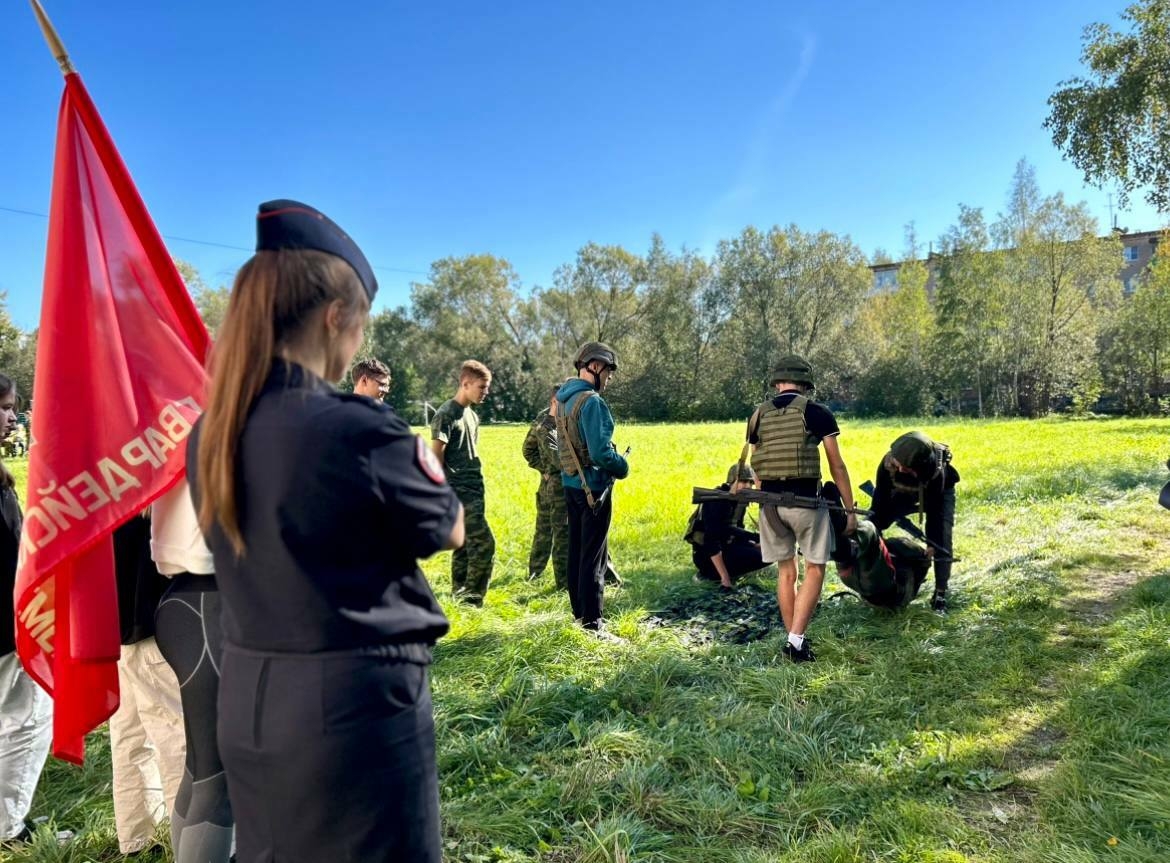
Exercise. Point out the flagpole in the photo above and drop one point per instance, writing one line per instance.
(56, 46)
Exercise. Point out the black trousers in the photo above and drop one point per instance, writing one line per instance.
(588, 554)
(740, 558)
(329, 757)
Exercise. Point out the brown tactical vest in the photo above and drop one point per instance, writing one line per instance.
(569, 435)
(785, 450)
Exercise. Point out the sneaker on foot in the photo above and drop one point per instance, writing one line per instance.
(938, 602)
(607, 636)
(599, 631)
(803, 654)
(20, 838)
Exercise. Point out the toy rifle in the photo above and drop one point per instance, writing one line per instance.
(912, 529)
(770, 498)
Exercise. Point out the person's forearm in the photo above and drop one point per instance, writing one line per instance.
(840, 476)
(721, 568)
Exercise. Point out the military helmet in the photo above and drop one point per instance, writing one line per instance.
(591, 351)
(792, 368)
(916, 451)
(740, 473)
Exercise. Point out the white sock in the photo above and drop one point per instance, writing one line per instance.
(795, 640)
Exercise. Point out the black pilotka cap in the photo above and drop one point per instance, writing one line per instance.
(292, 225)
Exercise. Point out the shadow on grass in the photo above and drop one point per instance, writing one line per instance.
(907, 734)
(1098, 764)
(686, 740)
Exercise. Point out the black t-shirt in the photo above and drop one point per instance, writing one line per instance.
(820, 423)
(337, 500)
(140, 586)
(722, 522)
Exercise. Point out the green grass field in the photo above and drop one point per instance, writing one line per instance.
(1030, 724)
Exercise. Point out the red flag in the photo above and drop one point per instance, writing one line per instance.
(119, 381)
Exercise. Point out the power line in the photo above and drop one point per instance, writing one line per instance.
(213, 244)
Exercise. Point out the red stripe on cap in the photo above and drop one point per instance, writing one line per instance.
(288, 210)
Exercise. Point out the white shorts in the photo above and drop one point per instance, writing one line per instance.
(783, 528)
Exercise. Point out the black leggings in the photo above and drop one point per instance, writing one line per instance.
(191, 641)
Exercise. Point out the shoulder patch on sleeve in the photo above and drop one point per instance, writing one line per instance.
(428, 462)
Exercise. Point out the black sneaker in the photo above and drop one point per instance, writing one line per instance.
(804, 654)
(20, 838)
(938, 602)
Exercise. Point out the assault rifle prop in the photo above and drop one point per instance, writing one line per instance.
(770, 498)
(913, 529)
(597, 504)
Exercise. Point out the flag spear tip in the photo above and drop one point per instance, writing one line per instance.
(55, 43)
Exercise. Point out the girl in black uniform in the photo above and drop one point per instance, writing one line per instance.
(317, 506)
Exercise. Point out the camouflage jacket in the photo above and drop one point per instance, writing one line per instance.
(540, 445)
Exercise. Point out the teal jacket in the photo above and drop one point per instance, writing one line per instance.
(596, 426)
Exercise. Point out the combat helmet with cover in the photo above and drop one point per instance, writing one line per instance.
(591, 351)
(794, 368)
(741, 472)
(916, 452)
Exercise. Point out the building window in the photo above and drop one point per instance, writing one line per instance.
(885, 279)
(1128, 285)
(1130, 253)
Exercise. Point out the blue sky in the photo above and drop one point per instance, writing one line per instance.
(529, 129)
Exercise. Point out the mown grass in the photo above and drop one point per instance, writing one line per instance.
(1030, 724)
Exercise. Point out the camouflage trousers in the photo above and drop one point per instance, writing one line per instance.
(550, 538)
(471, 565)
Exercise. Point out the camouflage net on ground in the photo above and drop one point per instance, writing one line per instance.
(746, 613)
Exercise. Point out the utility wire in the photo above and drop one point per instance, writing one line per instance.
(20, 212)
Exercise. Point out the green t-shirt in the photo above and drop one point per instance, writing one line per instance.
(458, 428)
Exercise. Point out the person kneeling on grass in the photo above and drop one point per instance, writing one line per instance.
(722, 549)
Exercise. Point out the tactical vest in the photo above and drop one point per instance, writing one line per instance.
(569, 432)
(694, 532)
(785, 450)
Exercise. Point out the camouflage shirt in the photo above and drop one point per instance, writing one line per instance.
(540, 445)
(458, 428)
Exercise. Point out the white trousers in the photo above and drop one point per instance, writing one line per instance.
(26, 730)
(148, 747)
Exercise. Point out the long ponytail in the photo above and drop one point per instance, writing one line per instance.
(273, 296)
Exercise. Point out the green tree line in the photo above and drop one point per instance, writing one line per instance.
(1017, 315)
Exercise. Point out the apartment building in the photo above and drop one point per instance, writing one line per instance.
(1137, 248)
